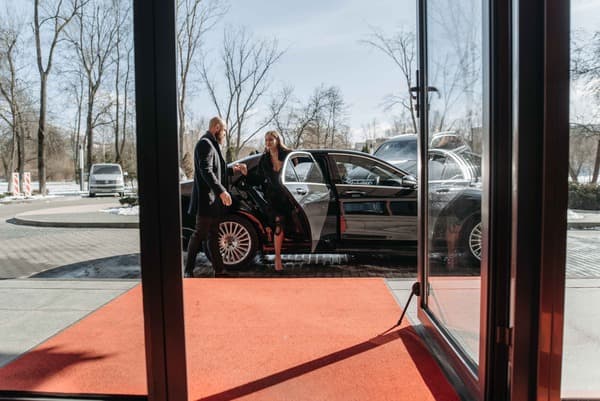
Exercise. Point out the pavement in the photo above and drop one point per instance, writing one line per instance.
(88, 216)
(35, 309)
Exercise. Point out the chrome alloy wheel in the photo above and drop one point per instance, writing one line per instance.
(234, 242)
(475, 241)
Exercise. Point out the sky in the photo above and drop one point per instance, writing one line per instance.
(322, 38)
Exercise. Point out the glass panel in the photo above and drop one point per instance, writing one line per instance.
(454, 46)
(71, 319)
(580, 378)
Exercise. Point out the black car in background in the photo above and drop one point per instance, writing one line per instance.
(454, 173)
(340, 201)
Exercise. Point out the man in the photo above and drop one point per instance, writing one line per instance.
(210, 198)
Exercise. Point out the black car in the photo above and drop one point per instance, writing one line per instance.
(454, 188)
(341, 201)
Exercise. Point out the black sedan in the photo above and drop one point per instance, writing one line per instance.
(340, 201)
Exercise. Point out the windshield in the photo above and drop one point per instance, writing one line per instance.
(398, 150)
(106, 170)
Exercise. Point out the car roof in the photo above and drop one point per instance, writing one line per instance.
(106, 164)
(401, 137)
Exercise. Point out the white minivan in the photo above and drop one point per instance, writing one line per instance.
(106, 178)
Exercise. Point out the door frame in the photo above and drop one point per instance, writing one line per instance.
(476, 381)
(523, 262)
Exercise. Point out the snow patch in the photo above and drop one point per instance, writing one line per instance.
(123, 211)
(571, 215)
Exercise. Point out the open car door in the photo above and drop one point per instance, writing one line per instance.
(305, 181)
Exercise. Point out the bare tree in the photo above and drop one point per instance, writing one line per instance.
(93, 38)
(122, 62)
(297, 121)
(400, 47)
(53, 17)
(246, 67)
(194, 19)
(14, 93)
(585, 127)
(335, 116)
(76, 89)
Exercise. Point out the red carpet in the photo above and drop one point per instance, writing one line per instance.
(251, 339)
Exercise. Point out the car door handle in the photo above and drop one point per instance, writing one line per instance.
(301, 191)
(354, 193)
(442, 191)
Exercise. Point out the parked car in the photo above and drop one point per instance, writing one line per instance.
(341, 201)
(106, 178)
(454, 186)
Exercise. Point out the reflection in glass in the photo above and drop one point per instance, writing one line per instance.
(454, 168)
(71, 318)
(580, 378)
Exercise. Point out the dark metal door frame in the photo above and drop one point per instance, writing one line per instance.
(541, 144)
(160, 210)
(160, 214)
(489, 379)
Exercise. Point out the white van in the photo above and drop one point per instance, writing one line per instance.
(106, 178)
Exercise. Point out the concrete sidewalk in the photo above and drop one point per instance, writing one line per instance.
(89, 216)
(33, 311)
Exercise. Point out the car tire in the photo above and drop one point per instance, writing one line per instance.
(471, 240)
(92, 194)
(238, 242)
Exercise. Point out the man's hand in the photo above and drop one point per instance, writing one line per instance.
(225, 198)
(240, 168)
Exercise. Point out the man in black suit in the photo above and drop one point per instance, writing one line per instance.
(210, 197)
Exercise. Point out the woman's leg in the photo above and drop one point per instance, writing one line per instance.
(278, 243)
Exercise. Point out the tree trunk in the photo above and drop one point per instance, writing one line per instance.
(596, 164)
(89, 133)
(117, 147)
(573, 174)
(181, 125)
(21, 151)
(41, 162)
(11, 163)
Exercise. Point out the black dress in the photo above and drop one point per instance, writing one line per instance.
(274, 191)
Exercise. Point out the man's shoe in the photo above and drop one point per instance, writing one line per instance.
(188, 275)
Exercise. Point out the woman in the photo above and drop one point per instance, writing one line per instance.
(270, 166)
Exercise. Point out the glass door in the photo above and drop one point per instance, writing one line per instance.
(452, 148)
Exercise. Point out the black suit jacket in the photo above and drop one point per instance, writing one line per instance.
(210, 178)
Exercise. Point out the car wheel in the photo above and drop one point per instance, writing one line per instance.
(92, 194)
(238, 242)
(471, 239)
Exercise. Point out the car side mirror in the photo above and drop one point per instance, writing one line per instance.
(409, 181)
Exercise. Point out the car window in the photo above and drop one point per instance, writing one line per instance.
(106, 170)
(356, 170)
(398, 150)
(303, 168)
(452, 170)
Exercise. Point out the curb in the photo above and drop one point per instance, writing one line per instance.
(584, 225)
(69, 224)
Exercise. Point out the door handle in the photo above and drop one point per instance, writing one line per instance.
(301, 191)
(442, 190)
(355, 193)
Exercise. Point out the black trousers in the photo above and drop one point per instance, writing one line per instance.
(207, 227)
